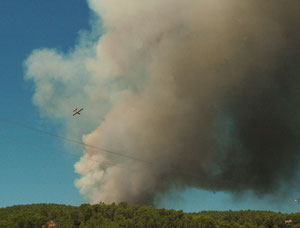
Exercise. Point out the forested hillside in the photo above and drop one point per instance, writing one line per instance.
(124, 215)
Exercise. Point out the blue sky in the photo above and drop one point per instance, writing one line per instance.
(36, 168)
(43, 171)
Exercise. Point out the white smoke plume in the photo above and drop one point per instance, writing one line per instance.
(205, 91)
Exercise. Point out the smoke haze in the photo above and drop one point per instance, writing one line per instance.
(206, 91)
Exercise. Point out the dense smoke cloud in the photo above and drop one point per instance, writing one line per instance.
(206, 91)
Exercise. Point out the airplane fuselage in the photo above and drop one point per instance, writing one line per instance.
(76, 111)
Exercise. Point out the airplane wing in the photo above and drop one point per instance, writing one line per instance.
(77, 111)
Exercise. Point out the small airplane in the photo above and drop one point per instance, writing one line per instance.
(76, 111)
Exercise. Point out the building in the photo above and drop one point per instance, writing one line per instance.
(49, 225)
(288, 221)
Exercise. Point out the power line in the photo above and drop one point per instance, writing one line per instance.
(16, 123)
(34, 144)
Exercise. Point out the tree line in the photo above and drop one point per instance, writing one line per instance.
(123, 215)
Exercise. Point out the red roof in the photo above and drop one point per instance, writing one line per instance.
(51, 224)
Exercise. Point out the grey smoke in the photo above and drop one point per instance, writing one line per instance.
(207, 91)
